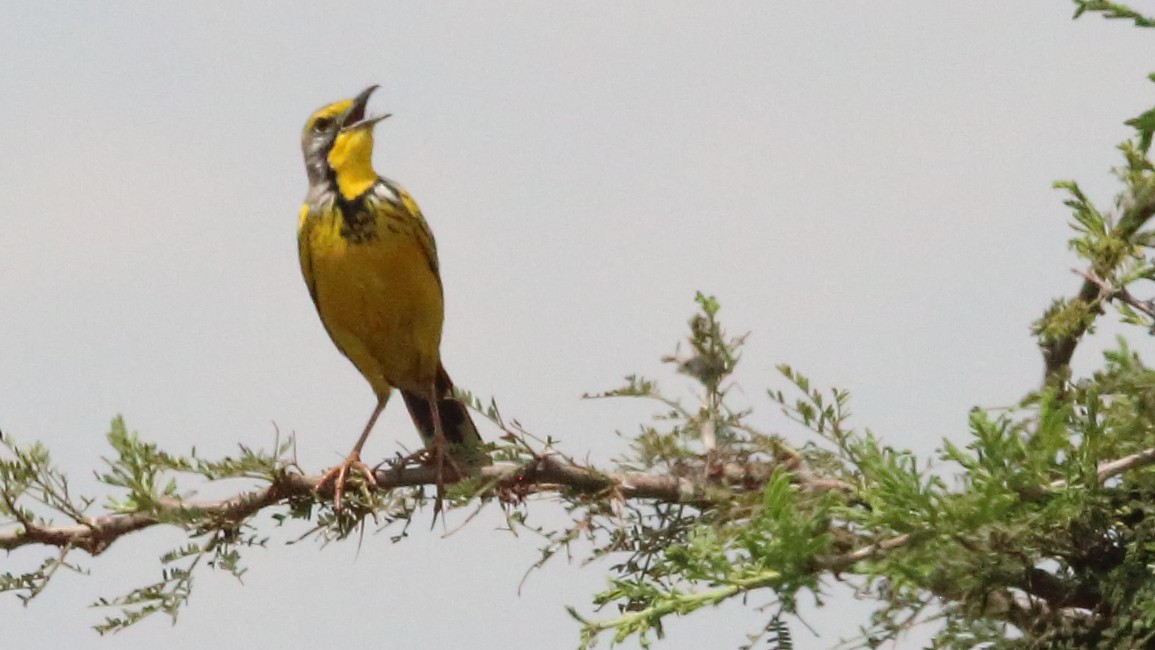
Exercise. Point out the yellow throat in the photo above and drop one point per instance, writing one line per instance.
(352, 160)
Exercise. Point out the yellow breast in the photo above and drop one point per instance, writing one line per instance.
(372, 271)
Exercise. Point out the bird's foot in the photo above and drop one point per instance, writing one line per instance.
(340, 474)
(437, 455)
(447, 468)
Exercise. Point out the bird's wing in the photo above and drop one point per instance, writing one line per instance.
(422, 232)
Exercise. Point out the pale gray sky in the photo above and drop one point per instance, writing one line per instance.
(865, 186)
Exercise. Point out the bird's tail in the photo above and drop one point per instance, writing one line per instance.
(458, 427)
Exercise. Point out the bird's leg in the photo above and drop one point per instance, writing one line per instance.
(439, 444)
(340, 473)
(439, 455)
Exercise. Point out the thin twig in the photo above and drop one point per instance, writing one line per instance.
(1110, 468)
(843, 562)
(1108, 293)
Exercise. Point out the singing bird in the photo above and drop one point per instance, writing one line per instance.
(370, 262)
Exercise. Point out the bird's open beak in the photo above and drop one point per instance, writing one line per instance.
(355, 118)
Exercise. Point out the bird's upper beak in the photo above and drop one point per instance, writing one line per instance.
(355, 117)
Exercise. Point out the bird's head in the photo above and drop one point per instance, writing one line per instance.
(338, 144)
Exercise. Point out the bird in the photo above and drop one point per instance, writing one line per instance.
(370, 263)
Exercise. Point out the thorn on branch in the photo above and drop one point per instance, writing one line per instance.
(1109, 293)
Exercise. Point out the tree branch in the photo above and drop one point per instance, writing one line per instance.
(546, 474)
(1107, 469)
(1057, 354)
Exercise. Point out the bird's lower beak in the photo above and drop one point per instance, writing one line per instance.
(355, 118)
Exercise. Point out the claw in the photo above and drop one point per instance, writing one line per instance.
(447, 470)
(340, 474)
(439, 462)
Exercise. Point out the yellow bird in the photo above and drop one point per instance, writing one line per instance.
(370, 262)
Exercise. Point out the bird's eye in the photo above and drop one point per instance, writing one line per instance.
(322, 124)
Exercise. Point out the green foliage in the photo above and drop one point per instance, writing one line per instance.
(151, 486)
(1032, 533)
(1113, 10)
(147, 490)
(759, 528)
(172, 591)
